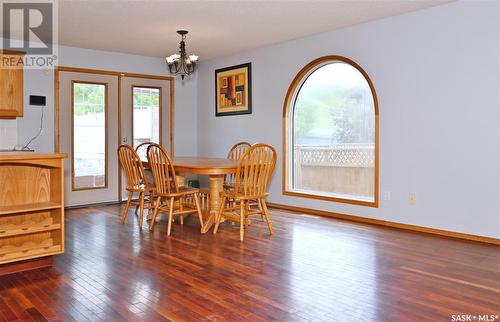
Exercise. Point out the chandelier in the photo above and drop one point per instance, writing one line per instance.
(181, 63)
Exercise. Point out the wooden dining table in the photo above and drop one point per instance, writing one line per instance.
(215, 169)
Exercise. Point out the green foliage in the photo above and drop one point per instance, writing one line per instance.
(88, 98)
(142, 99)
(351, 121)
(304, 117)
(339, 112)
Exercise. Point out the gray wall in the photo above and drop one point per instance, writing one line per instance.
(41, 82)
(436, 73)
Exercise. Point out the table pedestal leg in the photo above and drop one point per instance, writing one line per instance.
(216, 187)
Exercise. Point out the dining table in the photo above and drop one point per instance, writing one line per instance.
(216, 169)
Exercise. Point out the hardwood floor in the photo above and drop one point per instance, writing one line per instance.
(313, 268)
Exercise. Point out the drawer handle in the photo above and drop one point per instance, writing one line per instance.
(2, 255)
(2, 232)
(45, 226)
(26, 228)
(25, 251)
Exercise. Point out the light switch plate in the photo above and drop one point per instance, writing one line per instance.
(412, 198)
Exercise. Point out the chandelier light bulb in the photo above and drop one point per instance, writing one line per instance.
(193, 57)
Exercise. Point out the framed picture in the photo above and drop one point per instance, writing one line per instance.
(233, 90)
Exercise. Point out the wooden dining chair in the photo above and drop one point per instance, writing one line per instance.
(137, 181)
(235, 153)
(142, 150)
(170, 198)
(254, 172)
(237, 150)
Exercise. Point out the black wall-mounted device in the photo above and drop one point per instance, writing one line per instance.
(37, 100)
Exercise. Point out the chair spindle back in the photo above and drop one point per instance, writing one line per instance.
(142, 150)
(132, 166)
(238, 150)
(235, 153)
(162, 169)
(255, 169)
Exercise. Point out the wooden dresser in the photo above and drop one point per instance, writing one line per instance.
(31, 210)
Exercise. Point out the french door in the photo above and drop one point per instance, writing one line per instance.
(88, 125)
(96, 113)
(145, 114)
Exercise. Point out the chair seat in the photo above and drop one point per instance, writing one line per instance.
(182, 191)
(231, 194)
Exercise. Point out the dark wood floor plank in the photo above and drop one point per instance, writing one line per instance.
(312, 269)
(6, 312)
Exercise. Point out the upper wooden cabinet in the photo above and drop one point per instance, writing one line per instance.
(11, 85)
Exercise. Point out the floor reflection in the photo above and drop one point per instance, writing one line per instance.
(336, 263)
(311, 269)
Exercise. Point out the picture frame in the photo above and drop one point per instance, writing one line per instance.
(233, 90)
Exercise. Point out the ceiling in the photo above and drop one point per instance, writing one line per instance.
(216, 28)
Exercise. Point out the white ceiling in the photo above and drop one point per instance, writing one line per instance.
(216, 28)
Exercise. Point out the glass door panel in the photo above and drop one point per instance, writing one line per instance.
(146, 115)
(89, 155)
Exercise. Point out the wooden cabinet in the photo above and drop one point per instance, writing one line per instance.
(11, 84)
(31, 206)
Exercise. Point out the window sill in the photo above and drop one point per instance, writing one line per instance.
(358, 202)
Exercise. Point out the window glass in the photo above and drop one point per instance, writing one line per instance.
(333, 130)
(146, 115)
(89, 136)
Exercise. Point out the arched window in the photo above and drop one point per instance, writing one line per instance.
(331, 133)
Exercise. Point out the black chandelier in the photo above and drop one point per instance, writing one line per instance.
(181, 63)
